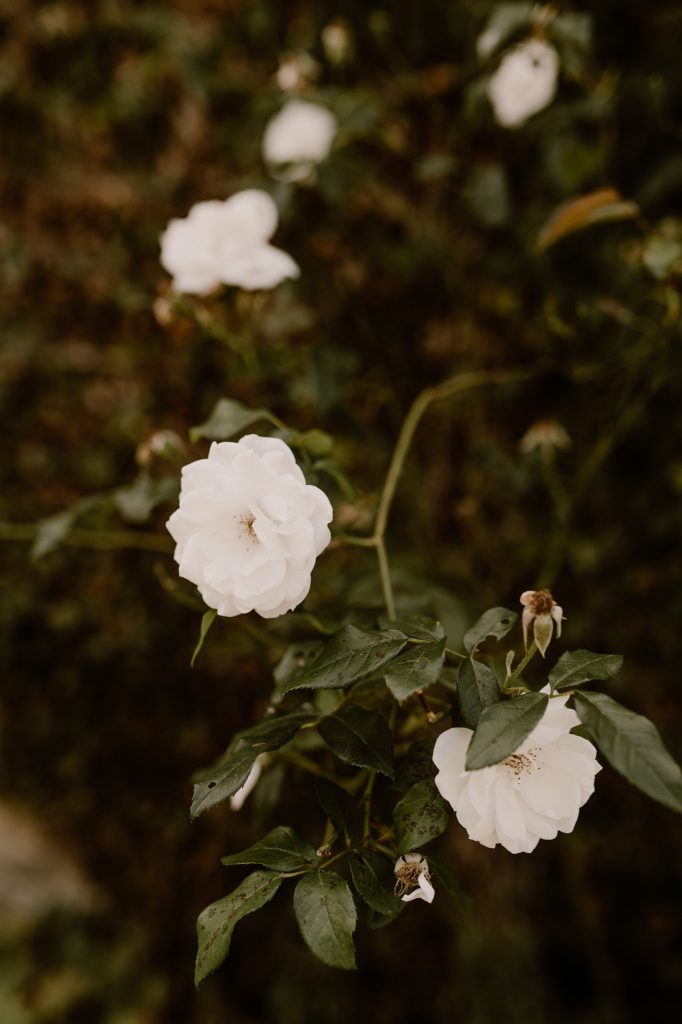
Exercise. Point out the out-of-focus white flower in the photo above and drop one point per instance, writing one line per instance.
(296, 71)
(165, 444)
(534, 794)
(545, 435)
(237, 799)
(337, 41)
(249, 528)
(544, 614)
(226, 242)
(412, 878)
(524, 83)
(297, 138)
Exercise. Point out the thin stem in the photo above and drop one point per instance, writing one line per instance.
(452, 386)
(385, 574)
(367, 805)
(99, 539)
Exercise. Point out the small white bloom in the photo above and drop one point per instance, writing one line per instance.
(524, 83)
(297, 138)
(249, 528)
(237, 799)
(412, 873)
(296, 71)
(544, 614)
(534, 794)
(546, 436)
(226, 242)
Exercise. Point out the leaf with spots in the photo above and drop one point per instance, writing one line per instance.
(496, 622)
(231, 772)
(216, 922)
(415, 669)
(351, 654)
(280, 850)
(326, 915)
(420, 816)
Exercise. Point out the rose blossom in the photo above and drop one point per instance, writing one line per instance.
(300, 136)
(249, 528)
(524, 83)
(533, 794)
(226, 242)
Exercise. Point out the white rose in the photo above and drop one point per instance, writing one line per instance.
(238, 799)
(524, 83)
(249, 528)
(226, 242)
(299, 136)
(533, 794)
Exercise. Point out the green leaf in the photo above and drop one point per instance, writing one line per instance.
(576, 667)
(632, 745)
(496, 622)
(416, 766)
(339, 807)
(137, 501)
(207, 620)
(351, 654)
(374, 880)
(228, 419)
(420, 816)
(280, 850)
(415, 669)
(216, 922)
(314, 441)
(231, 772)
(503, 727)
(326, 915)
(359, 737)
(333, 470)
(52, 531)
(477, 689)
(421, 627)
(296, 660)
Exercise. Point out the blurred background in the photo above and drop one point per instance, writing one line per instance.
(418, 245)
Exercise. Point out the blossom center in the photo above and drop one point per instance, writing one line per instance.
(407, 876)
(541, 603)
(245, 527)
(522, 764)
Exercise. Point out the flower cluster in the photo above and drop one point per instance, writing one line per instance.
(534, 794)
(249, 528)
